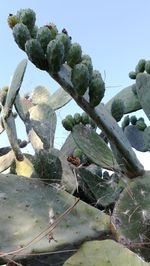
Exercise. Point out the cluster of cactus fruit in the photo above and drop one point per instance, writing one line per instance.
(81, 165)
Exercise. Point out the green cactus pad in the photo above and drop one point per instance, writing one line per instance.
(48, 167)
(27, 17)
(35, 54)
(104, 192)
(21, 35)
(25, 205)
(94, 147)
(44, 37)
(59, 99)
(104, 253)
(131, 216)
(96, 89)
(80, 78)
(15, 85)
(6, 161)
(75, 55)
(40, 95)
(129, 98)
(117, 109)
(43, 120)
(55, 55)
(135, 137)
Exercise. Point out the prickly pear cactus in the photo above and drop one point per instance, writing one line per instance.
(131, 216)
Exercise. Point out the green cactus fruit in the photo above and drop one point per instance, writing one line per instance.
(67, 124)
(140, 66)
(92, 123)
(33, 32)
(117, 109)
(21, 35)
(133, 87)
(44, 37)
(96, 89)
(77, 118)
(35, 53)
(141, 125)
(85, 118)
(78, 153)
(147, 66)
(126, 121)
(132, 75)
(80, 78)
(106, 175)
(12, 20)
(64, 38)
(48, 166)
(86, 59)
(53, 29)
(3, 95)
(27, 17)
(70, 117)
(133, 119)
(55, 55)
(75, 55)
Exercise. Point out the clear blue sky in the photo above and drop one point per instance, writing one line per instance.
(116, 34)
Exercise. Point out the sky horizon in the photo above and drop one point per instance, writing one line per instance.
(115, 35)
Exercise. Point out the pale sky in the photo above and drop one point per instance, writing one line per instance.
(116, 34)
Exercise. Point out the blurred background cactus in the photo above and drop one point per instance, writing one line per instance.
(97, 162)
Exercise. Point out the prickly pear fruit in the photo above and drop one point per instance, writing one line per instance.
(96, 89)
(48, 166)
(85, 118)
(117, 109)
(147, 66)
(75, 55)
(44, 36)
(27, 17)
(132, 75)
(78, 153)
(67, 124)
(133, 119)
(126, 121)
(140, 66)
(55, 55)
(70, 117)
(3, 95)
(77, 118)
(64, 38)
(35, 53)
(141, 125)
(12, 20)
(86, 59)
(53, 29)
(80, 78)
(34, 31)
(21, 34)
